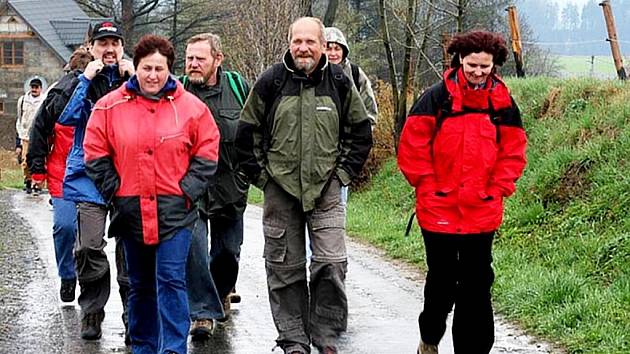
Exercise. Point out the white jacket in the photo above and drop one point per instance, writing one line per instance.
(27, 107)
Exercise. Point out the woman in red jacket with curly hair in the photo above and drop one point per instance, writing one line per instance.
(462, 148)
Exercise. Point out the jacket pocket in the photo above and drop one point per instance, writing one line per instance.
(227, 123)
(275, 243)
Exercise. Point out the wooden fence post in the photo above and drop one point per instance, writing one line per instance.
(517, 46)
(612, 38)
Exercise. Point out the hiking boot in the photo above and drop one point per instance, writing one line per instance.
(202, 329)
(91, 325)
(36, 190)
(294, 349)
(66, 292)
(234, 297)
(226, 309)
(329, 350)
(425, 348)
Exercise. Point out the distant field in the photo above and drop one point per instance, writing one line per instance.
(580, 65)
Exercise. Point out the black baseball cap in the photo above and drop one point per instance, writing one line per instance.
(106, 29)
(35, 82)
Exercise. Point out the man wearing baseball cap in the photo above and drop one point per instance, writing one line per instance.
(105, 73)
(27, 106)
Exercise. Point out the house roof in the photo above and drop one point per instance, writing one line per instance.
(61, 24)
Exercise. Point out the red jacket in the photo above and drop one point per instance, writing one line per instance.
(56, 161)
(151, 158)
(463, 150)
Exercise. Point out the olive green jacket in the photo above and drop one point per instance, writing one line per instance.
(302, 130)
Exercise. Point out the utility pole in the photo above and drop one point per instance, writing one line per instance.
(517, 46)
(612, 38)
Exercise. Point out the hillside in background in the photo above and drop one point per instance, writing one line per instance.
(562, 256)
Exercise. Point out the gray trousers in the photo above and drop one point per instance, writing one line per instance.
(298, 317)
(91, 261)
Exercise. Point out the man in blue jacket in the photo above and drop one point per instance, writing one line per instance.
(106, 72)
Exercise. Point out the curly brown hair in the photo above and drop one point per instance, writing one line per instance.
(79, 59)
(150, 44)
(464, 44)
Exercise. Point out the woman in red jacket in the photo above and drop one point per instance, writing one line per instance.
(462, 148)
(151, 148)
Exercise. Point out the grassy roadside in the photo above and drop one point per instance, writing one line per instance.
(562, 257)
(10, 173)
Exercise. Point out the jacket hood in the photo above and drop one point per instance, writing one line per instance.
(493, 95)
(316, 75)
(171, 87)
(334, 35)
(27, 84)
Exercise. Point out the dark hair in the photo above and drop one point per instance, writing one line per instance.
(150, 44)
(467, 43)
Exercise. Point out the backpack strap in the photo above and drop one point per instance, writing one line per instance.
(410, 223)
(21, 104)
(236, 83)
(183, 79)
(355, 75)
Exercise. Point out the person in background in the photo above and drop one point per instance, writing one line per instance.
(212, 278)
(105, 73)
(303, 134)
(151, 148)
(337, 51)
(48, 150)
(462, 148)
(27, 106)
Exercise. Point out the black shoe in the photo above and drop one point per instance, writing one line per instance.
(202, 329)
(66, 292)
(36, 191)
(91, 325)
(27, 187)
(234, 297)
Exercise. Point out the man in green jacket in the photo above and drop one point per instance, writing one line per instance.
(304, 133)
(212, 277)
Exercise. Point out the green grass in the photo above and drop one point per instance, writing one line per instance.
(11, 178)
(562, 256)
(254, 196)
(581, 64)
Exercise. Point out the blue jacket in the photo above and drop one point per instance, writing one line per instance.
(77, 186)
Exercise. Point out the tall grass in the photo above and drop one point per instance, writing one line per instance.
(562, 256)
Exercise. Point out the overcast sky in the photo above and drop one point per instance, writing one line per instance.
(578, 2)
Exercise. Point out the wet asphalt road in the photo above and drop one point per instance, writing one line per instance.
(384, 299)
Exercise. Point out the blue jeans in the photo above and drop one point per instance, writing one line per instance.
(226, 236)
(158, 305)
(64, 236)
(203, 298)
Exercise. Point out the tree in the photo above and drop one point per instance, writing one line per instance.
(258, 35)
(127, 13)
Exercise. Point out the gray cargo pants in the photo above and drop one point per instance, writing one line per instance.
(324, 316)
(91, 261)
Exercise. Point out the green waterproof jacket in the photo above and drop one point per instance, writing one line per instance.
(302, 130)
(227, 193)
